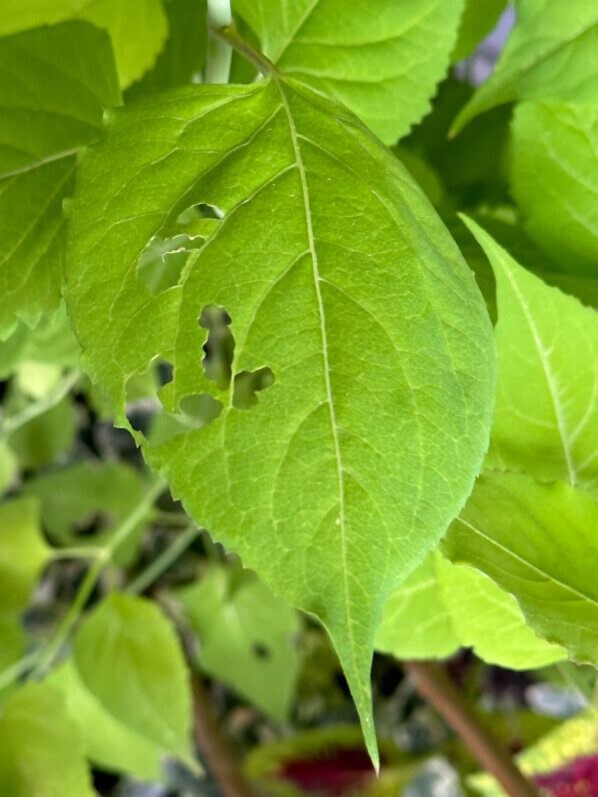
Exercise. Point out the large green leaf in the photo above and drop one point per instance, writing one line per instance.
(383, 61)
(129, 658)
(535, 539)
(54, 83)
(442, 607)
(554, 178)
(137, 28)
(41, 752)
(246, 637)
(551, 54)
(339, 277)
(107, 742)
(546, 417)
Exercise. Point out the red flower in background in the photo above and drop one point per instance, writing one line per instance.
(579, 778)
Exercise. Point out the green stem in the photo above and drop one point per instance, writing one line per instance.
(155, 569)
(220, 54)
(575, 679)
(14, 671)
(81, 552)
(14, 422)
(230, 35)
(128, 525)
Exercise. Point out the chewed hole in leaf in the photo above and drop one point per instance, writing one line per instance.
(162, 261)
(247, 384)
(195, 411)
(219, 347)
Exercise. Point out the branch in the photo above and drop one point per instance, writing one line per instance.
(434, 684)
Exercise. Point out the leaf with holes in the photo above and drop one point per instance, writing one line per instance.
(535, 539)
(546, 417)
(382, 62)
(550, 55)
(554, 179)
(137, 28)
(54, 83)
(356, 406)
(246, 637)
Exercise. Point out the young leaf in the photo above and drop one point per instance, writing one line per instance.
(383, 61)
(442, 607)
(554, 179)
(129, 658)
(546, 416)
(184, 53)
(54, 83)
(23, 551)
(345, 296)
(246, 637)
(551, 54)
(107, 742)
(534, 540)
(137, 28)
(416, 623)
(40, 749)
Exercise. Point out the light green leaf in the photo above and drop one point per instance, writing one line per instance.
(490, 621)
(46, 437)
(383, 61)
(137, 28)
(40, 750)
(106, 741)
(534, 539)
(550, 55)
(129, 658)
(416, 623)
(339, 277)
(479, 18)
(546, 417)
(246, 638)
(51, 341)
(554, 179)
(442, 607)
(23, 551)
(184, 53)
(54, 83)
(84, 493)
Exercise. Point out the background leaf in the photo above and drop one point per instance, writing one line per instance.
(54, 83)
(107, 742)
(546, 416)
(137, 28)
(246, 637)
(40, 750)
(129, 658)
(554, 179)
(549, 55)
(325, 242)
(383, 63)
(532, 538)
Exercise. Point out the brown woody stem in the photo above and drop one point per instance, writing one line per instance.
(432, 682)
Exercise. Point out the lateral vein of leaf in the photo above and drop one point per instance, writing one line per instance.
(329, 398)
(550, 379)
(41, 162)
(526, 563)
(302, 20)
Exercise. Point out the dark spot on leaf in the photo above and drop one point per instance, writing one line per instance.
(247, 384)
(219, 348)
(261, 651)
